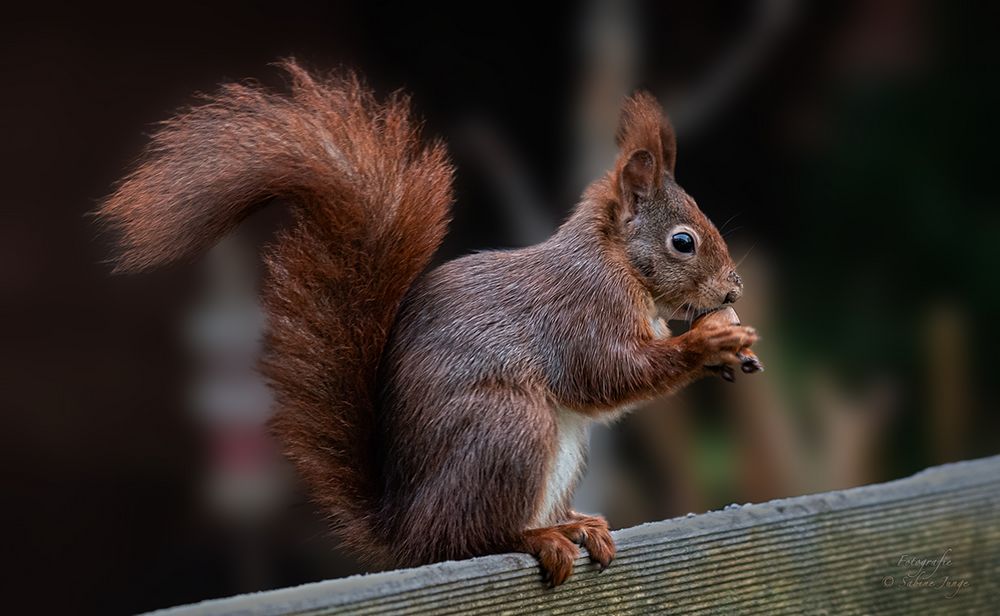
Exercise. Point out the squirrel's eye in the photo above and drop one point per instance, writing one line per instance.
(683, 242)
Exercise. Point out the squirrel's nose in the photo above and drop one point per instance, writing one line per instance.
(737, 291)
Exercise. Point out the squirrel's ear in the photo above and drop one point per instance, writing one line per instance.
(643, 126)
(638, 175)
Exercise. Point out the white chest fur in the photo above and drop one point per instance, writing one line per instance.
(566, 465)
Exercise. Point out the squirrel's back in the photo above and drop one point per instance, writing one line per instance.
(370, 204)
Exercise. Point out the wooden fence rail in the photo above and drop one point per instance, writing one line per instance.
(927, 544)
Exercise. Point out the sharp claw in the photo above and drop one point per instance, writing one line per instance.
(727, 374)
(751, 365)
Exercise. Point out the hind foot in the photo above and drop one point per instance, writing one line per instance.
(555, 547)
(591, 531)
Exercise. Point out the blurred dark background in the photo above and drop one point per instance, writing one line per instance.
(847, 151)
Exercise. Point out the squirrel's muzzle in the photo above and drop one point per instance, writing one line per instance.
(737, 291)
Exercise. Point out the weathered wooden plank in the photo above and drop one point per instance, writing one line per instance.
(855, 551)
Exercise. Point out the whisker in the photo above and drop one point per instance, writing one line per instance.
(731, 218)
(731, 231)
(749, 250)
(669, 318)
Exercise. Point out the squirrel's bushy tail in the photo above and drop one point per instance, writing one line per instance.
(370, 204)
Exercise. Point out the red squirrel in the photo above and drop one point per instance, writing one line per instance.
(444, 413)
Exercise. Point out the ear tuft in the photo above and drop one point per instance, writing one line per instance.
(643, 126)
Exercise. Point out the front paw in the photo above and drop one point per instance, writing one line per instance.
(748, 363)
(722, 348)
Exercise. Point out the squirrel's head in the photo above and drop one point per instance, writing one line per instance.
(677, 250)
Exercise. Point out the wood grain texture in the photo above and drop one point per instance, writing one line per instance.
(844, 552)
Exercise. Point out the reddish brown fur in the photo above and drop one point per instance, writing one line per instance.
(423, 411)
(555, 546)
